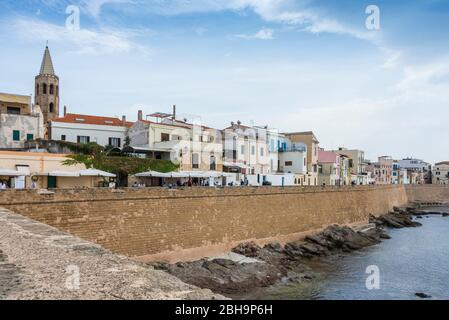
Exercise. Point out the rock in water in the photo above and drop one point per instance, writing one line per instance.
(248, 249)
(422, 295)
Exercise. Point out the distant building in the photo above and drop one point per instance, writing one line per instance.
(77, 128)
(381, 171)
(440, 173)
(312, 143)
(19, 121)
(418, 171)
(329, 170)
(356, 160)
(246, 149)
(399, 175)
(193, 146)
(293, 160)
(44, 169)
(47, 89)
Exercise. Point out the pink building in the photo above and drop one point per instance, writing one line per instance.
(329, 172)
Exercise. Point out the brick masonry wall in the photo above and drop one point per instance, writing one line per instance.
(428, 193)
(185, 224)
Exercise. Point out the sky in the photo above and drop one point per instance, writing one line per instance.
(295, 65)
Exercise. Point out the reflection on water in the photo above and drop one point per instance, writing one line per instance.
(414, 260)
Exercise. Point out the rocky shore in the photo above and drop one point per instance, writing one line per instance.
(251, 266)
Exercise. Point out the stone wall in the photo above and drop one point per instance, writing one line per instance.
(187, 224)
(428, 193)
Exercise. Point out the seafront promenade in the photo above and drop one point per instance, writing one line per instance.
(40, 262)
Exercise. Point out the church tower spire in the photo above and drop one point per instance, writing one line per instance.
(47, 88)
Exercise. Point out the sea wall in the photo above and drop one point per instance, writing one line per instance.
(428, 193)
(184, 224)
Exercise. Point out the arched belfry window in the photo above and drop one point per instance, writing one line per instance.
(52, 89)
(44, 88)
(52, 107)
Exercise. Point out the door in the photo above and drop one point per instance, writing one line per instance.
(51, 183)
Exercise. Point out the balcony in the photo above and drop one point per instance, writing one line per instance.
(292, 149)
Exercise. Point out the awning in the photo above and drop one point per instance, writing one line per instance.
(12, 173)
(96, 173)
(60, 174)
(182, 174)
(153, 174)
(204, 174)
(235, 165)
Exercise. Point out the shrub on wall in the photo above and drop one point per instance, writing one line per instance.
(95, 156)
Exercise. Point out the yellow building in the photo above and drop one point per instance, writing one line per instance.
(24, 170)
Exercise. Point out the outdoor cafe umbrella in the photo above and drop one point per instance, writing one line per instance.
(95, 173)
(153, 174)
(60, 174)
(12, 173)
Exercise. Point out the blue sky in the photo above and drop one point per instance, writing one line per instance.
(296, 65)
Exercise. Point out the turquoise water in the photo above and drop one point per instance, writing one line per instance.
(414, 260)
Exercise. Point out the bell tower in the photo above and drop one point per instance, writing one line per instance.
(47, 89)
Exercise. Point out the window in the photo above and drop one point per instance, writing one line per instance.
(262, 152)
(83, 139)
(115, 142)
(44, 88)
(30, 136)
(12, 110)
(213, 165)
(288, 163)
(165, 137)
(16, 135)
(52, 107)
(52, 89)
(63, 137)
(195, 161)
(351, 163)
(242, 150)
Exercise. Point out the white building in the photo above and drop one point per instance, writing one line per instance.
(440, 173)
(192, 145)
(77, 128)
(246, 149)
(293, 160)
(19, 121)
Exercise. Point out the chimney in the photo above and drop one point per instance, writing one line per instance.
(124, 120)
(174, 112)
(65, 111)
(140, 115)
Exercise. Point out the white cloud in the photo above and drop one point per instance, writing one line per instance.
(85, 41)
(425, 77)
(263, 34)
(94, 7)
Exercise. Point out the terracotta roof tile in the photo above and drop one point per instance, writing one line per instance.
(93, 120)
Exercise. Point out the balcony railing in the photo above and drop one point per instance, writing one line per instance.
(293, 149)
